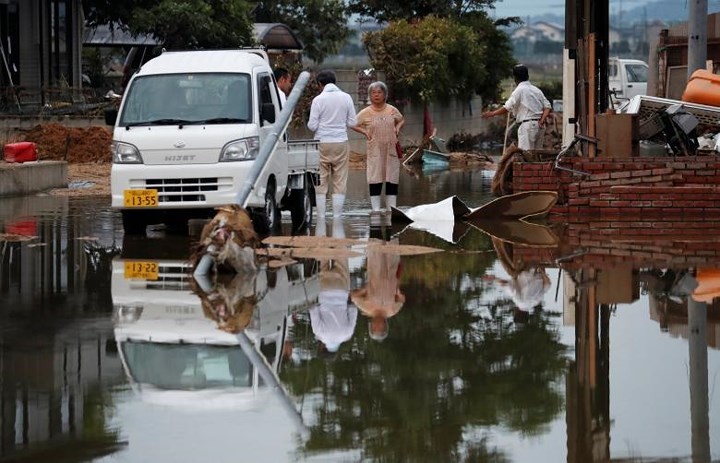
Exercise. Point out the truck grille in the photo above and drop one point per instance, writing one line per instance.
(181, 190)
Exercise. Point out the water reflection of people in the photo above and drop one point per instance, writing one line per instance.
(527, 289)
(333, 319)
(527, 285)
(230, 301)
(380, 298)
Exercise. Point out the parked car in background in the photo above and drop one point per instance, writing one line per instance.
(626, 78)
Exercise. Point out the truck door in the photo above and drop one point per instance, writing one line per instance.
(267, 95)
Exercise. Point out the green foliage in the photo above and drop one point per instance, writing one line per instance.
(179, 23)
(197, 23)
(393, 10)
(431, 59)
(498, 57)
(552, 89)
(452, 361)
(320, 25)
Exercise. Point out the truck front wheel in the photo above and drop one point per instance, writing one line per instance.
(267, 219)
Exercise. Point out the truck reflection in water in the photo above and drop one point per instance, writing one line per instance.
(207, 344)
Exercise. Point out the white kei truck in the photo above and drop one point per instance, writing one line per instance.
(186, 134)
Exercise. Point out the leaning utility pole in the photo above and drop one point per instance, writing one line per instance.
(697, 35)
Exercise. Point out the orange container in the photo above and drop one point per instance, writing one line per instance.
(20, 152)
(703, 88)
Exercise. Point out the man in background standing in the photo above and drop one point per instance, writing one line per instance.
(331, 113)
(530, 108)
(284, 83)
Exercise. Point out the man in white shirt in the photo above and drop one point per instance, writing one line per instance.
(331, 113)
(530, 108)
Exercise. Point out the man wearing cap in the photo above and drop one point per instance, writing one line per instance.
(530, 108)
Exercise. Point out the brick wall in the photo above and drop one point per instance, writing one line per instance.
(608, 243)
(678, 187)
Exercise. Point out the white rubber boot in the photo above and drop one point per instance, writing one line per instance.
(320, 206)
(390, 201)
(320, 228)
(338, 229)
(375, 203)
(338, 203)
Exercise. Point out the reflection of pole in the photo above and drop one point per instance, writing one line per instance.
(699, 405)
(271, 380)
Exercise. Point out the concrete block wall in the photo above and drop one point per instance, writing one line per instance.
(31, 177)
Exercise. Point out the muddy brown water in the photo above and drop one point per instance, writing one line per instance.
(111, 352)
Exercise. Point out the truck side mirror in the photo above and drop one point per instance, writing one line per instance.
(268, 112)
(111, 116)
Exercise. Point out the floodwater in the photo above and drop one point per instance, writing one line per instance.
(544, 344)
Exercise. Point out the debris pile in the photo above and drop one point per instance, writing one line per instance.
(71, 144)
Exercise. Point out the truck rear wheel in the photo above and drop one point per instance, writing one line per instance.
(300, 207)
(134, 222)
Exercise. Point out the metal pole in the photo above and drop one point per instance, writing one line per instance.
(697, 35)
(268, 146)
(266, 149)
(271, 380)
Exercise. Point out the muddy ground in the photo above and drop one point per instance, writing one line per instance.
(87, 151)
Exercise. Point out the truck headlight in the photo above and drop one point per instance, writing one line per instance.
(127, 313)
(245, 149)
(124, 153)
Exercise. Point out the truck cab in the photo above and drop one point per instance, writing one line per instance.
(186, 135)
(626, 78)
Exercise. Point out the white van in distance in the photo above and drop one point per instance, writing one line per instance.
(626, 78)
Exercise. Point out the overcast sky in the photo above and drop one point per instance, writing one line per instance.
(525, 8)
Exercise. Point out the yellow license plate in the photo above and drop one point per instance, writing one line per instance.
(141, 270)
(140, 198)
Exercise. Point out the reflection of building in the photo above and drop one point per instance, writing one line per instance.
(59, 373)
(607, 265)
(672, 315)
(55, 263)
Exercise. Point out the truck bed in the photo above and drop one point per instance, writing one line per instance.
(303, 156)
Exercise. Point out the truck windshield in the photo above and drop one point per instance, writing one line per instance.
(185, 99)
(187, 366)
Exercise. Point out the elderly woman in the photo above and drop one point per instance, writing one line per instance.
(380, 123)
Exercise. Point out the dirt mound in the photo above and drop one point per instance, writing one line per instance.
(72, 144)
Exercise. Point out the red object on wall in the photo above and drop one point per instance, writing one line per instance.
(23, 151)
(26, 227)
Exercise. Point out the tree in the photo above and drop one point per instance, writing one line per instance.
(480, 57)
(179, 23)
(433, 59)
(320, 25)
(393, 10)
